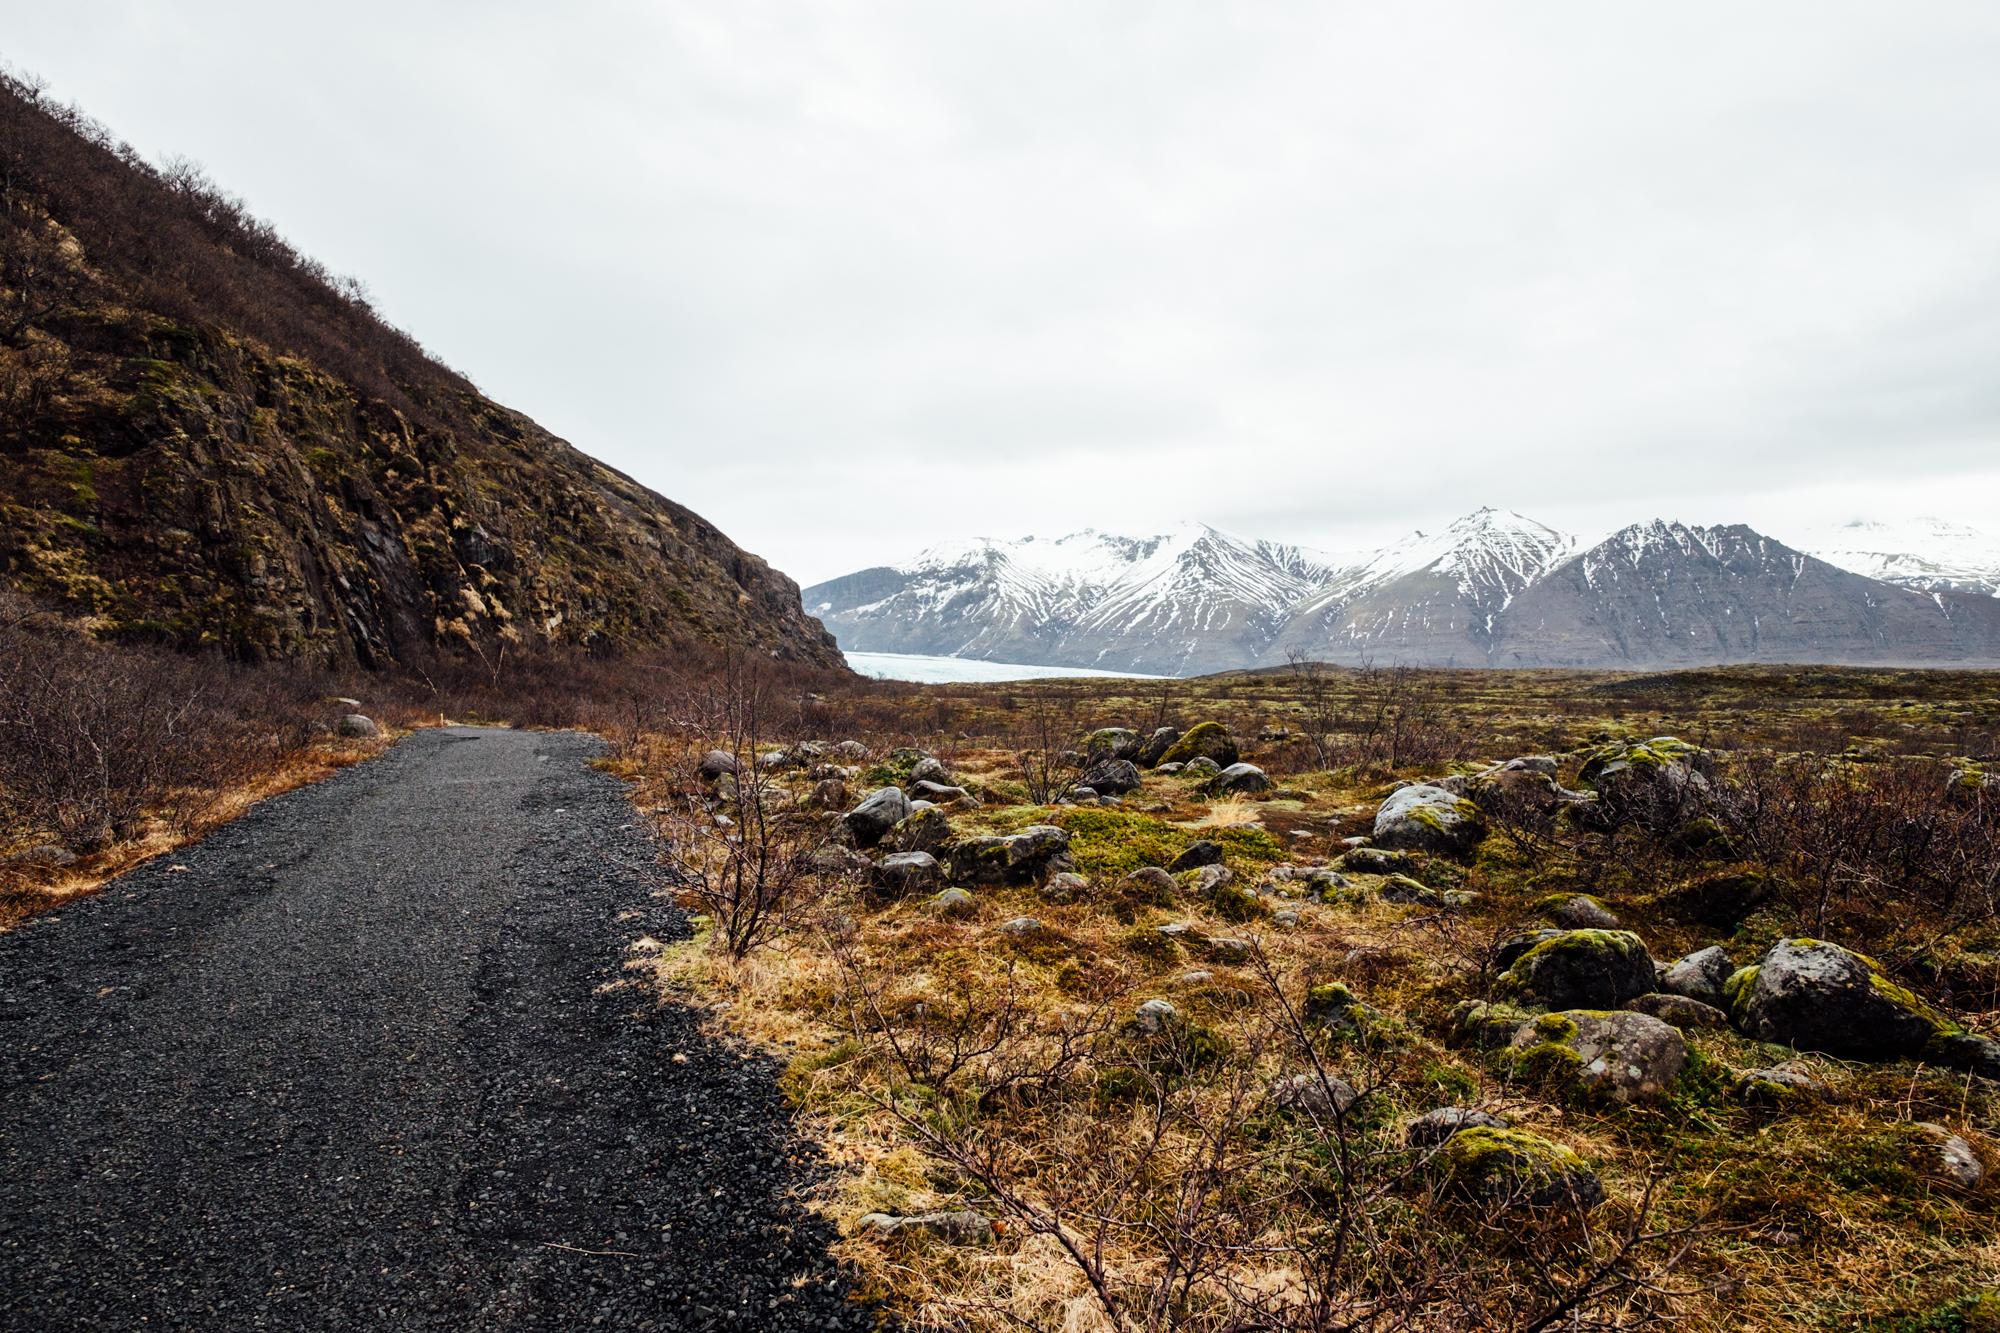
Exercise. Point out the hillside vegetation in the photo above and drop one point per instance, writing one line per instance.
(211, 441)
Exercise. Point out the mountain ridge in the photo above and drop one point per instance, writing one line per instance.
(1493, 588)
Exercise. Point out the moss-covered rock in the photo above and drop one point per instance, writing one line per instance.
(1580, 969)
(919, 831)
(1206, 740)
(1026, 857)
(1515, 1169)
(1422, 818)
(1577, 911)
(1603, 1059)
(1816, 996)
(1486, 1025)
(1658, 784)
(1112, 743)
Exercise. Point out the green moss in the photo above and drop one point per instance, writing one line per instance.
(1736, 990)
(1235, 904)
(1555, 1027)
(1504, 1161)
(1148, 943)
(1207, 738)
(1940, 1025)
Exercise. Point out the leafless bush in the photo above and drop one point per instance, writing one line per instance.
(1047, 730)
(1393, 715)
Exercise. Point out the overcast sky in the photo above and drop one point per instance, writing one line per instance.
(849, 278)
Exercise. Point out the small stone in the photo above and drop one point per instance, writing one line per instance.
(1152, 881)
(1230, 949)
(1208, 879)
(963, 1227)
(1434, 1127)
(1156, 1014)
(1195, 978)
(953, 902)
(1021, 926)
(1679, 1011)
(1202, 853)
(1780, 1083)
(1067, 887)
(909, 872)
(1311, 1094)
(1582, 912)
(1956, 1159)
(1285, 918)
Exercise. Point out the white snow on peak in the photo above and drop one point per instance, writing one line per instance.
(1489, 550)
(1927, 554)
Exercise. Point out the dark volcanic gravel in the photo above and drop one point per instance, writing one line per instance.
(357, 1066)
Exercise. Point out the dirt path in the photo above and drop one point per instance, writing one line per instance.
(355, 1067)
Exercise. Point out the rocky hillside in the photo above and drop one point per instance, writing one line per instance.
(212, 441)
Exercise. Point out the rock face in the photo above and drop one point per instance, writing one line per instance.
(1422, 818)
(1607, 1058)
(1816, 996)
(871, 820)
(1023, 858)
(1580, 969)
(1513, 1168)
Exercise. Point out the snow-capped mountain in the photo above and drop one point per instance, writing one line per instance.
(1492, 589)
(1431, 597)
(1189, 600)
(1665, 594)
(1928, 554)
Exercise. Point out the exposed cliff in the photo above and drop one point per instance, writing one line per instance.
(210, 440)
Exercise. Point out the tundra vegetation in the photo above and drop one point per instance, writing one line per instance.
(1645, 998)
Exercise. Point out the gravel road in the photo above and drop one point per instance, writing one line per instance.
(364, 1062)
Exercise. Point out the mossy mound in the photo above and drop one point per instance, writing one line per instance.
(1206, 740)
(1580, 969)
(1515, 1169)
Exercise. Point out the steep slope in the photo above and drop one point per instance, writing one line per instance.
(1190, 600)
(1432, 600)
(210, 440)
(1927, 554)
(1663, 594)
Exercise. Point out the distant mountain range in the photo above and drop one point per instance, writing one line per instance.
(1493, 589)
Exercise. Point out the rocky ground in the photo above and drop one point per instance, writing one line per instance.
(369, 1058)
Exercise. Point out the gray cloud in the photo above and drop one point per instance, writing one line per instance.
(849, 278)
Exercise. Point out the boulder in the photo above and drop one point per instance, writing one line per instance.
(844, 861)
(963, 1227)
(1154, 1015)
(1202, 853)
(923, 830)
(1206, 740)
(954, 903)
(1512, 1168)
(1068, 887)
(1319, 1097)
(1610, 1059)
(1815, 996)
(1700, 976)
(1201, 769)
(929, 769)
(1970, 782)
(1679, 1011)
(875, 816)
(1246, 778)
(1402, 889)
(905, 873)
(1658, 784)
(1962, 1050)
(1580, 969)
(1781, 1084)
(355, 724)
(1428, 819)
(1435, 1127)
(1112, 777)
(1374, 861)
(1026, 857)
(1518, 795)
(1948, 1156)
(1578, 911)
(830, 794)
(852, 750)
(1156, 746)
(1112, 743)
(715, 763)
(1514, 946)
(1168, 770)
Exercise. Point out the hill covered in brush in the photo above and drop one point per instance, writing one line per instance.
(210, 440)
